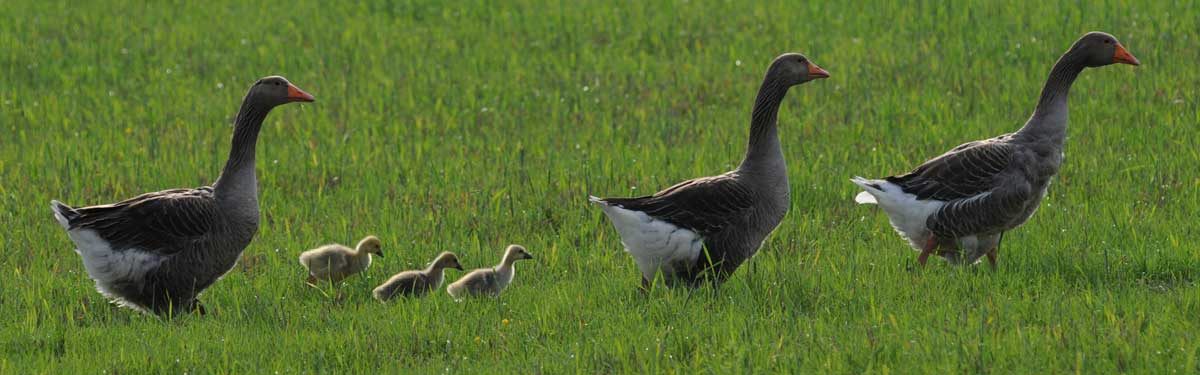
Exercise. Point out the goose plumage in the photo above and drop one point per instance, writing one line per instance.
(958, 205)
(704, 228)
(156, 252)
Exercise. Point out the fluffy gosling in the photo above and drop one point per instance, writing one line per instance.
(335, 262)
(489, 281)
(416, 283)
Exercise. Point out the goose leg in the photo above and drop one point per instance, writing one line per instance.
(312, 280)
(645, 286)
(994, 252)
(929, 247)
(198, 308)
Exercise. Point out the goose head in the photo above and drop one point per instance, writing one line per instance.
(1098, 49)
(275, 91)
(514, 253)
(793, 69)
(370, 245)
(447, 260)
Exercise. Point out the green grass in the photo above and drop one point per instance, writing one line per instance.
(467, 127)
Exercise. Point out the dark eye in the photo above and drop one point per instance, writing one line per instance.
(1108, 41)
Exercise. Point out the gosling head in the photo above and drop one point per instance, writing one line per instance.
(370, 245)
(516, 252)
(447, 260)
(793, 69)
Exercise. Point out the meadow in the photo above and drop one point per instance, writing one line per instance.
(470, 125)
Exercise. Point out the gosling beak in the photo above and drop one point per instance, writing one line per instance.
(1121, 55)
(380, 254)
(528, 256)
(458, 267)
(295, 94)
(816, 71)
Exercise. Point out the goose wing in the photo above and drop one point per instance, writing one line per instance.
(963, 172)
(981, 183)
(163, 222)
(704, 205)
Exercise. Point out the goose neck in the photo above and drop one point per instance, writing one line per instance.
(763, 149)
(238, 178)
(1049, 119)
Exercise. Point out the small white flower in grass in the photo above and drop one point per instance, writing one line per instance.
(168, 70)
(276, 161)
(485, 109)
(737, 62)
(124, 51)
(112, 93)
(245, 42)
(220, 85)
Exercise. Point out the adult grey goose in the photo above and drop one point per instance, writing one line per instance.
(958, 205)
(704, 228)
(156, 252)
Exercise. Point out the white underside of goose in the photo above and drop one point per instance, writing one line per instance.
(106, 266)
(652, 242)
(904, 210)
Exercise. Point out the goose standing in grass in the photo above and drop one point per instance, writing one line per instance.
(706, 227)
(489, 281)
(417, 282)
(958, 205)
(334, 262)
(156, 252)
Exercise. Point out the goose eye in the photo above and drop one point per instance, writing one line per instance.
(1107, 41)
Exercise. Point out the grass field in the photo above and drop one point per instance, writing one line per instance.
(468, 126)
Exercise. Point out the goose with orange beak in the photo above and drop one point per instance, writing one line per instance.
(959, 204)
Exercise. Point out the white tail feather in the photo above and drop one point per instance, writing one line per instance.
(62, 220)
(868, 194)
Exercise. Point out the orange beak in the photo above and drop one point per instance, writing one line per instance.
(295, 94)
(1121, 55)
(816, 71)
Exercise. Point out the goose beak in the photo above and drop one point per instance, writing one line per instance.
(458, 267)
(816, 71)
(380, 254)
(1122, 55)
(295, 94)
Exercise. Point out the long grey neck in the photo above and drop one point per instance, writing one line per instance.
(1049, 120)
(763, 152)
(238, 182)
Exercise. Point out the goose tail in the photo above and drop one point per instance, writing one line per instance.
(597, 200)
(63, 213)
(870, 188)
